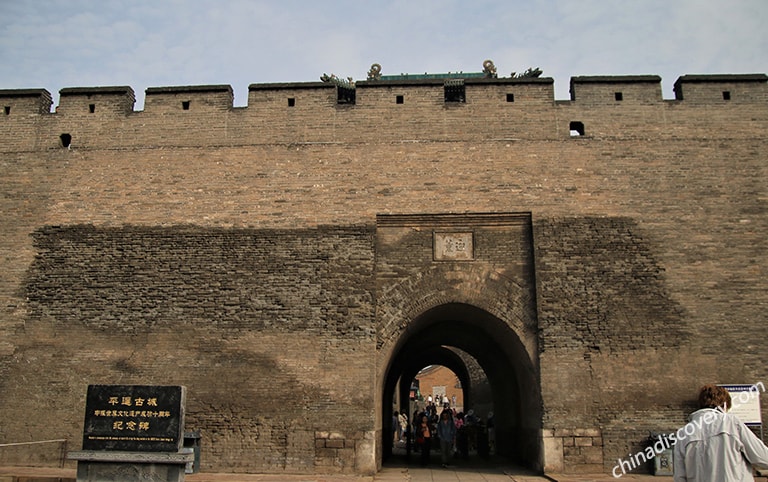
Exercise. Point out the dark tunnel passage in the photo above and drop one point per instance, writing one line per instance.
(434, 339)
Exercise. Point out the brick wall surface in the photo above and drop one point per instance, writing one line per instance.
(235, 251)
(251, 321)
(441, 381)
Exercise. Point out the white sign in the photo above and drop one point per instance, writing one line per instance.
(437, 394)
(745, 402)
(453, 246)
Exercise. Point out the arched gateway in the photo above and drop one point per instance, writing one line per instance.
(462, 286)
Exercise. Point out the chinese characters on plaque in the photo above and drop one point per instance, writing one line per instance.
(134, 418)
(453, 246)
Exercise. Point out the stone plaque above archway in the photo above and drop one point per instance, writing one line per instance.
(453, 246)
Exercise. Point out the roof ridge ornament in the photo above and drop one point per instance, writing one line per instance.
(530, 73)
(375, 72)
(489, 69)
(347, 83)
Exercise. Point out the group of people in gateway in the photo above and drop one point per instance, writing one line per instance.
(453, 432)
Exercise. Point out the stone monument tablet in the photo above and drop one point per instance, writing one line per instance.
(135, 418)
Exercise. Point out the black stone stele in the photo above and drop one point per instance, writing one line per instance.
(134, 418)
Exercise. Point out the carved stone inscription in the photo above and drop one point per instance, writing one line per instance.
(134, 418)
(453, 246)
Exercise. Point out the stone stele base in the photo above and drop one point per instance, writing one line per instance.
(106, 466)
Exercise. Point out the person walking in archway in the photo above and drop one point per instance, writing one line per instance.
(424, 439)
(415, 422)
(462, 439)
(403, 421)
(395, 428)
(446, 432)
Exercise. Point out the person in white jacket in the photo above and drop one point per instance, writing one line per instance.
(715, 445)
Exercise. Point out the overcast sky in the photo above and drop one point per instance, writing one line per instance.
(54, 44)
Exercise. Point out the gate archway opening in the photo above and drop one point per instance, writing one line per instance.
(438, 337)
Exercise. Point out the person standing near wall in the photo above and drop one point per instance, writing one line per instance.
(720, 447)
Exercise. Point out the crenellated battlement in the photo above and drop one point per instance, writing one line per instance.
(743, 88)
(401, 108)
(705, 88)
(26, 101)
(209, 98)
(611, 89)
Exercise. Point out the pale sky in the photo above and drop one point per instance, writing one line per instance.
(53, 44)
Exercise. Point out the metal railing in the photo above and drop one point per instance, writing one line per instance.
(62, 441)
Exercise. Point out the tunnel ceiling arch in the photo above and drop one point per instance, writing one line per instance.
(467, 328)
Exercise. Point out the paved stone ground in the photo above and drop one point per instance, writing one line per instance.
(397, 469)
(390, 473)
(387, 474)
